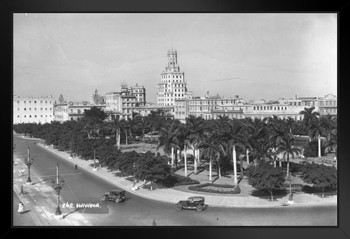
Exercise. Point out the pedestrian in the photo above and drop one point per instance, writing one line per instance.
(76, 167)
(154, 223)
(20, 207)
(22, 190)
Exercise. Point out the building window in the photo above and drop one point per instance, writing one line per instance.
(35, 101)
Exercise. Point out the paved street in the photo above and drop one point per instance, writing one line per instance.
(85, 186)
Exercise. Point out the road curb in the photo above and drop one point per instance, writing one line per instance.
(96, 173)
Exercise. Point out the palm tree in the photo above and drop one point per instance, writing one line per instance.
(168, 140)
(255, 133)
(115, 127)
(125, 125)
(278, 129)
(142, 123)
(195, 126)
(309, 115)
(289, 124)
(316, 130)
(211, 149)
(286, 147)
(331, 143)
(234, 136)
(329, 124)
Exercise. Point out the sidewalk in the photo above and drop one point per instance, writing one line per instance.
(40, 202)
(173, 196)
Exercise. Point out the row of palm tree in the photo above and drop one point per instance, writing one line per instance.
(225, 138)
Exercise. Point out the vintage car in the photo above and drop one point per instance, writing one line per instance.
(114, 195)
(191, 203)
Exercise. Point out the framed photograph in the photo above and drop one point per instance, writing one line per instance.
(190, 119)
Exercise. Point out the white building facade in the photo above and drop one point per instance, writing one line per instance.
(328, 105)
(173, 85)
(33, 109)
(61, 112)
(124, 102)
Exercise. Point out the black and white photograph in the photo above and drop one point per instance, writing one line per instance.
(175, 119)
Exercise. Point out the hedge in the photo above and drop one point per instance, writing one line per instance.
(216, 188)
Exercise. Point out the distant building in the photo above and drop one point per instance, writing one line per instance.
(33, 109)
(181, 110)
(123, 103)
(140, 93)
(76, 110)
(60, 110)
(143, 111)
(328, 105)
(173, 85)
(209, 107)
(282, 109)
(97, 99)
(309, 102)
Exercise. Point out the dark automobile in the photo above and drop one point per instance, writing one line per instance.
(191, 203)
(114, 195)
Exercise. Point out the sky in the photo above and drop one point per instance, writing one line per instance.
(256, 56)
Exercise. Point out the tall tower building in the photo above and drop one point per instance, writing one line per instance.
(173, 85)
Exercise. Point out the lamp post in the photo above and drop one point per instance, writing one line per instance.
(29, 163)
(94, 158)
(94, 169)
(143, 141)
(134, 166)
(71, 153)
(58, 185)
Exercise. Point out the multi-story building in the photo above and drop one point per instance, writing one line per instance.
(309, 102)
(60, 110)
(33, 109)
(173, 85)
(76, 109)
(282, 109)
(124, 102)
(147, 109)
(140, 93)
(328, 105)
(181, 110)
(209, 107)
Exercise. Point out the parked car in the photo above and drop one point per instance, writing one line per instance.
(191, 203)
(114, 195)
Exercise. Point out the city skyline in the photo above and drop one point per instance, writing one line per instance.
(256, 56)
